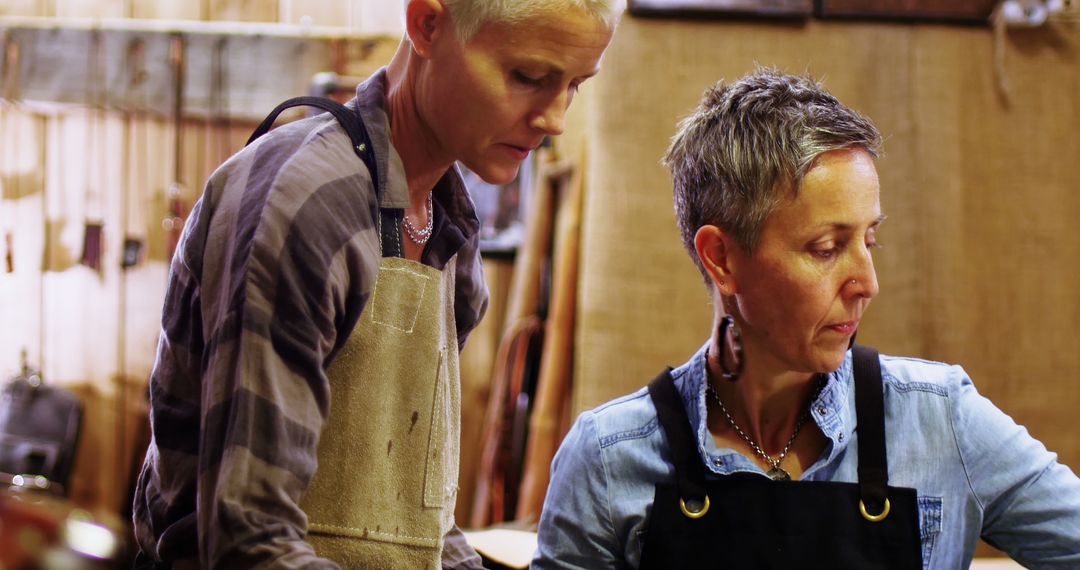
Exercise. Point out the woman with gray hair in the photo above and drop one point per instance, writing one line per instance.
(781, 443)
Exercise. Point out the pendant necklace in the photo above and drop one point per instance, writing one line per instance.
(776, 473)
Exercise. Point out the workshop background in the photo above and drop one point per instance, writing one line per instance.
(100, 161)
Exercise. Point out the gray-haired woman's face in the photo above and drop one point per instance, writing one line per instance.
(801, 293)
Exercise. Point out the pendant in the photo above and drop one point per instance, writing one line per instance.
(778, 474)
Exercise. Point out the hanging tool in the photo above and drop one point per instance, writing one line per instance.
(132, 218)
(173, 224)
(10, 83)
(93, 235)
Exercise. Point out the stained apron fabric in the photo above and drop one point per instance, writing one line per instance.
(755, 522)
(384, 492)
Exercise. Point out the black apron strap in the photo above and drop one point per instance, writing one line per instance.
(390, 219)
(870, 411)
(689, 471)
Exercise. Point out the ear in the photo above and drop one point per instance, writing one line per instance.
(425, 22)
(714, 248)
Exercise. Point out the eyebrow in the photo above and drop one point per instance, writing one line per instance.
(842, 226)
(552, 69)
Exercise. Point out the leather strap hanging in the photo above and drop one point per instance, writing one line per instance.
(218, 115)
(10, 79)
(133, 208)
(93, 235)
(173, 223)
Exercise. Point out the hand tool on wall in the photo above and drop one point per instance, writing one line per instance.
(10, 82)
(133, 207)
(217, 116)
(173, 223)
(94, 225)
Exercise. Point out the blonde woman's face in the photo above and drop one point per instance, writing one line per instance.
(492, 100)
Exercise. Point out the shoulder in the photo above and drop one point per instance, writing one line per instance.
(306, 157)
(628, 417)
(299, 183)
(905, 374)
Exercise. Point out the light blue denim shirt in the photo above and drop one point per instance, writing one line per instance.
(977, 472)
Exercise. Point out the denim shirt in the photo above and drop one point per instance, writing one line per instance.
(977, 472)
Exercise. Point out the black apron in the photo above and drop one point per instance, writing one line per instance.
(750, 521)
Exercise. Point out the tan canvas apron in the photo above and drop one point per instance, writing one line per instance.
(384, 491)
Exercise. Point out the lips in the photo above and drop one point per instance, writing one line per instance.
(845, 328)
(521, 152)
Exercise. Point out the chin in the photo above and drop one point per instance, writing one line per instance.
(827, 363)
(498, 176)
(494, 172)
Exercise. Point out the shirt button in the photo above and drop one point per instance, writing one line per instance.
(717, 461)
(841, 436)
(821, 410)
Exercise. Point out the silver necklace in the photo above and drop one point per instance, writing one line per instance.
(776, 473)
(421, 236)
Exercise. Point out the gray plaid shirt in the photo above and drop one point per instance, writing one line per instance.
(272, 272)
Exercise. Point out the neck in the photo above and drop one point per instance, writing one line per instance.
(413, 138)
(766, 402)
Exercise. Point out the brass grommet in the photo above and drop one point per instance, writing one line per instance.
(694, 514)
(874, 518)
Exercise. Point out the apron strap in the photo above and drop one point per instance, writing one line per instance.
(870, 414)
(390, 218)
(689, 472)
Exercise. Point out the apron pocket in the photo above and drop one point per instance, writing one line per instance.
(398, 310)
(929, 526)
(439, 479)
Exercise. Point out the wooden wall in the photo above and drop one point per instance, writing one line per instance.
(63, 166)
(981, 258)
(358, 16)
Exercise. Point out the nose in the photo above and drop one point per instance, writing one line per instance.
(551, 117)
(863, 281)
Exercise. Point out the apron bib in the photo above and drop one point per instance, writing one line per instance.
(384, 492)
(750, 521)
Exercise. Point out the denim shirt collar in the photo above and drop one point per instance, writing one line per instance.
(833, 411)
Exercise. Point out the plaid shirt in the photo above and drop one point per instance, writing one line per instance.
(272, 272)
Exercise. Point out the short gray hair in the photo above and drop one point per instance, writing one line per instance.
(748, 143)
(470, 15)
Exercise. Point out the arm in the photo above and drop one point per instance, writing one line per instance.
(576, 530)
(292, 276)
(1031, 503)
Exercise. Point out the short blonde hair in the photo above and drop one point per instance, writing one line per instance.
(469, 16)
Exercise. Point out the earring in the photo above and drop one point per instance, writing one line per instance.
(728, 323)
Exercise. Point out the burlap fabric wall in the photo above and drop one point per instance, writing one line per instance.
(981, 264)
